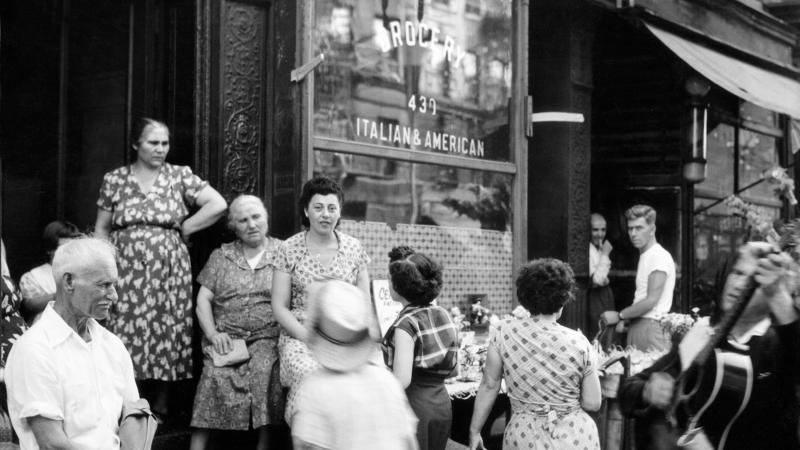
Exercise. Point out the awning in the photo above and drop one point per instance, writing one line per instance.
(746, 81)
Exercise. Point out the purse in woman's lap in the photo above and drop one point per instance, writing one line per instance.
(237, 355)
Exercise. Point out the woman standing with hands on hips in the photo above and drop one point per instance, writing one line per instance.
(144, 209)
(316, 254)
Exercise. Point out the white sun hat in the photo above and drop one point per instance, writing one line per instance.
(339, 322)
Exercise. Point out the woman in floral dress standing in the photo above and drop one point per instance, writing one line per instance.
(143, 209)
(316, 254)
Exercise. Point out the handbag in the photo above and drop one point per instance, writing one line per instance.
(237, 355)
(137, 426)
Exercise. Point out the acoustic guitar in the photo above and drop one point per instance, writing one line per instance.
(714, 390)
(716, 387)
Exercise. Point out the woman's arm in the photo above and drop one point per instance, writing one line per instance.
(102, 226)
(362, 282)
(205, 315)
(281, 302)
(212, 207)
(591, 396)
(487, 394)
(403, 363)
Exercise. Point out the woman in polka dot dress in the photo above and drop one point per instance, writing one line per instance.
(550, 370)
(316, 254)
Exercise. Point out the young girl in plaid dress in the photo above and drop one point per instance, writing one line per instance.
(421, 347)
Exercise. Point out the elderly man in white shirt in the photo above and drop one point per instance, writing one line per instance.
(68, 377)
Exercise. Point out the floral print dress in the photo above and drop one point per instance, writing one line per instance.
(153, 315)
(294, 258)
(544, 364)
(236, 397)
(11, 325)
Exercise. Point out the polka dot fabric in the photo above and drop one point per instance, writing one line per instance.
(544, 364)
(475, 261)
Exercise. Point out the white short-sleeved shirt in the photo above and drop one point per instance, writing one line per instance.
(656, 258)
(52, 372)
(360, 410)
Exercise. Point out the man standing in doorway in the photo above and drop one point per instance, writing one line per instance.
(655, 282)
(600, 297)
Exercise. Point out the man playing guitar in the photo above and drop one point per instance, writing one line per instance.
(767, 333)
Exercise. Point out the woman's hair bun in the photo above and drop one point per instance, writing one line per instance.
(400, 252)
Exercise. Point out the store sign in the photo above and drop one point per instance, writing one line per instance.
(414, 137)
(439, 85)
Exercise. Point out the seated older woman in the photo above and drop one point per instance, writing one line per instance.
(234, 302)
(550, 370)
(37, 286)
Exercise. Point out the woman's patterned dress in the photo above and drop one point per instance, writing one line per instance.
(12, 325)
(153, 315)
(236, 397)
(544, 364)
(293, 258)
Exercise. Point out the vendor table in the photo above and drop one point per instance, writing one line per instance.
(462, 393)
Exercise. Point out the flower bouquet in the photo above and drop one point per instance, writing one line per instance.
(782, 184)
(676, 325)
(471, 358)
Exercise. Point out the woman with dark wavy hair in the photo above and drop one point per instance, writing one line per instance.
(550, 370)
(421, 346)
(318, 253)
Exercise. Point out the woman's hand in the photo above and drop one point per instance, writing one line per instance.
(185, 234)
(476, 441)
(658, 390)
(222, 343)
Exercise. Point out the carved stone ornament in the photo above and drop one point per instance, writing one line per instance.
(242, 82)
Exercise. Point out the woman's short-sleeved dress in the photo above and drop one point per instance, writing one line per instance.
(293, 258)
(11, 324)
(236, 397)
(544, 364)
(153, 315)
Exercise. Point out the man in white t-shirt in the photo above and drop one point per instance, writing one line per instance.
(655, 282)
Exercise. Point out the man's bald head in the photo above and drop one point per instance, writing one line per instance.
(598, 223)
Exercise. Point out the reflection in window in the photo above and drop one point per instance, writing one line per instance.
(381, 61)
(717, 232)
(757, 154)
(459, 216)
(721, 143)
(753, 113)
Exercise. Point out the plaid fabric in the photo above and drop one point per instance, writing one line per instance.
(435, 339)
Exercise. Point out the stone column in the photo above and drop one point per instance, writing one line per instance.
(559, 156)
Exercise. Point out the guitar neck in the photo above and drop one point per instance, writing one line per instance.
(727, 322)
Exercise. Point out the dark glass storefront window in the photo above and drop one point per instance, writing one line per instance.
(461, 217)
(440, 84)
(733, 149)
